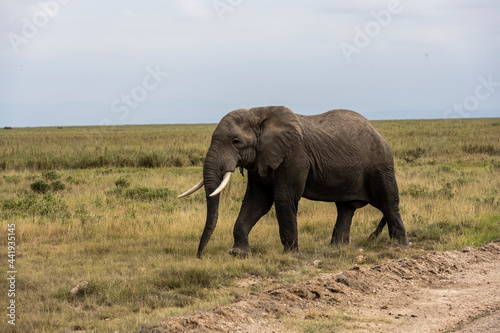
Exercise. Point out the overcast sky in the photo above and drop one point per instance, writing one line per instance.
(91, 62)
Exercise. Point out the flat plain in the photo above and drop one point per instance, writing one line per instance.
(99, 204)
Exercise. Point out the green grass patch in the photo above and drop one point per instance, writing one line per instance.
(47, 206)
(142, 193)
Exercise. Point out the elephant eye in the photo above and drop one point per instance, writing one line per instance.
(236, 141)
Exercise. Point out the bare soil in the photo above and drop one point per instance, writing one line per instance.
(429, 293)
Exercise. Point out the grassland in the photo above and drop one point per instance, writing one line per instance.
(108, 214)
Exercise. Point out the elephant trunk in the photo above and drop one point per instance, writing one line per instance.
(212, 215)
(213, 171)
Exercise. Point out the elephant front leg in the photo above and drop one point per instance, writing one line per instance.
(286, 212)
(257, 202)
(342, 229)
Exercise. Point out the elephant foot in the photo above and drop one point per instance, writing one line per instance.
(403, 241)
(340, 237)
(399, 236)
(293, 248)
(239, 252)
(339, 243)
(294, 252)
(339, 240)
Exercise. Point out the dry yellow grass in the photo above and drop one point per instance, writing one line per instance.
(136, 244)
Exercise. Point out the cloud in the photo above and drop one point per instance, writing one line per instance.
(429, 56)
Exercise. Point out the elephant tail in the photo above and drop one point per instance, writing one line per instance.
(378, 230)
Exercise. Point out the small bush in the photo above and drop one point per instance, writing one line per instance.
(9, 205)
(27, 204)
(73, 180)
(58, 185)
(40, 186)
(122, 182)
(48, 206)
(50, 175)
(15, 179)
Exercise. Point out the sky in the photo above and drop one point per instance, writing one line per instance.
(73, 62)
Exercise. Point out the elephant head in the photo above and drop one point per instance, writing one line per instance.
(256, 139)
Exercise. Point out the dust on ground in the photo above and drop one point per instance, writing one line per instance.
(427, 293)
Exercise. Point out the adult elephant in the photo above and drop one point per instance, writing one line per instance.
(337, 156)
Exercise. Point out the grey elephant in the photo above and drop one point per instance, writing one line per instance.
(337, 156)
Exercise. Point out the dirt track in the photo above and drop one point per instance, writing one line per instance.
(431, 293)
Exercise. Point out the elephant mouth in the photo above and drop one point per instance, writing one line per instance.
(246, 162)
(244, 165)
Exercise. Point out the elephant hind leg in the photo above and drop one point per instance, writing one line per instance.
(378, 230)
(342, 229)
(396, 227)
(385, 197)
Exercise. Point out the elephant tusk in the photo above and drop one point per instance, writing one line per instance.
(223, 184)
(192, 190)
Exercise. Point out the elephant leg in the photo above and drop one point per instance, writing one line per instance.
(396, 227)
(286, 211)
(385, 197)
(342, 229)
(289, 187)
(257, 202)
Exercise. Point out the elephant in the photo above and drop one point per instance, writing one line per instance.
(337, 156)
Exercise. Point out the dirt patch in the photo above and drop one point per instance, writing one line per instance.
(429, 293)
(487, 324)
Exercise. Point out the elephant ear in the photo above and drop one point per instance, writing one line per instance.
(280, 132)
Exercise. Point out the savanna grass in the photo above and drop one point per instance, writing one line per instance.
(148, 146)
(117, 223)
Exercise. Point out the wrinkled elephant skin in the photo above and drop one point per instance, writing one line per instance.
(337, 156)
